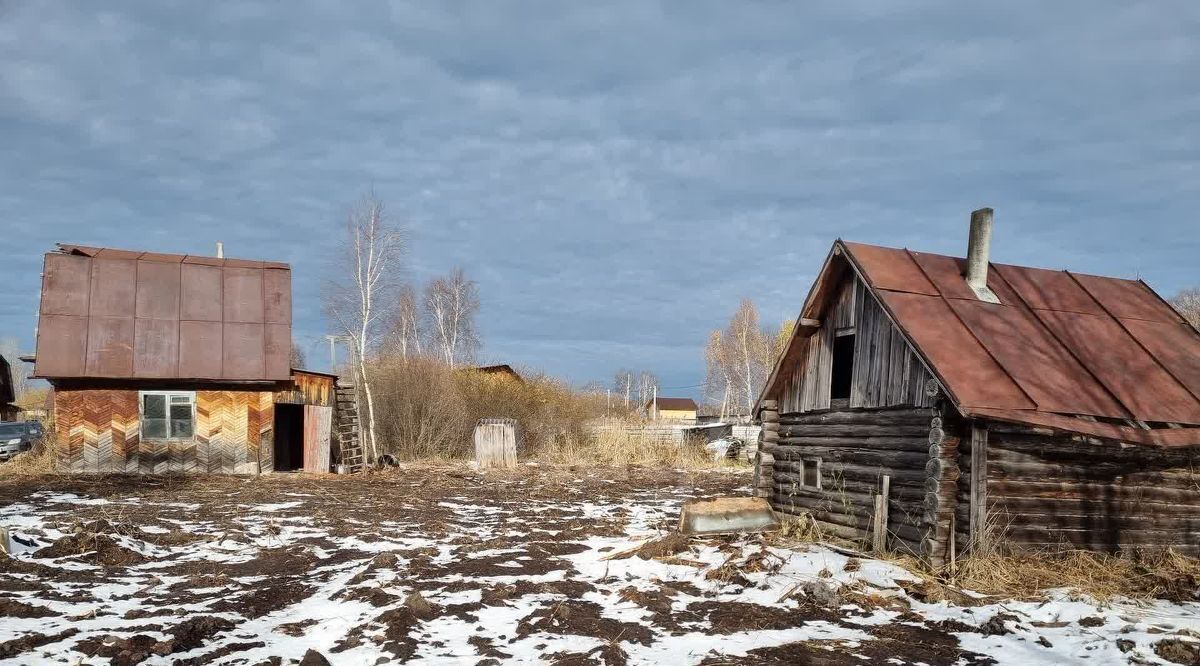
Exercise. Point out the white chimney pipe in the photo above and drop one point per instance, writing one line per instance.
(979, 248)
(221, 250)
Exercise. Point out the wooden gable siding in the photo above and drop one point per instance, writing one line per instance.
(887, 373)
(308, 389)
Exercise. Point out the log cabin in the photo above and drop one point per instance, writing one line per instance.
(933, 405)
(177, 363)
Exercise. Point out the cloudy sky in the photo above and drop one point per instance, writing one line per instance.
(615, 175)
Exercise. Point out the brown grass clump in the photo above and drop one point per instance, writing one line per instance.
(1161, 574)
(796, 529)
(37, 461)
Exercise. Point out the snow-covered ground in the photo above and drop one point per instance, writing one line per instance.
(526, 569)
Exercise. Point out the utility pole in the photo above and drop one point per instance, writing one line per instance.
(654, 403)
(333, 351)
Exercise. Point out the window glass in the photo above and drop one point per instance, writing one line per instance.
(181, 419)
(12, 430)
(154, 406)
(812, 473)
(154, 428)
(167, 416)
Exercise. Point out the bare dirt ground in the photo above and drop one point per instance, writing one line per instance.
(446, 565)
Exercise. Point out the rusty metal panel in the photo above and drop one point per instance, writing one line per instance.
(110, 253)
(1043, 289)
(1040, 365)
(948, 276)
(110, 347)
(61, 346)
(203, 261)
(200, 349)
(200, 292)
(242, 351)
(155, 347)
(242, 263)
(1125, 368)
(975, 379)
(891, 269)
(66, 283)
(114, 283)
(318, 423)
(1176, 346)
(157, 290)
(163, 257)
(278, 351)
(243, 295)
(1127, 299)
(277, 296)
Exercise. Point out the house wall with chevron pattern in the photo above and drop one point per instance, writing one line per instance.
(98, 430)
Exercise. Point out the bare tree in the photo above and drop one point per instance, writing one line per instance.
(358, 298)
(1187, 302)
(719, 379)
(740, 357)
(297, 357)
(406, 330)
(10, 349)
(451, 304)
(646, 386)
(623, 385)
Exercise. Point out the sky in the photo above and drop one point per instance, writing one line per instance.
(616, 176)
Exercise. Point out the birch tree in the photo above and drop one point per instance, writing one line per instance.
(405, 336)
(359, 296)
(748, 345)
(646, 383)
(719, 379)
(451, 303)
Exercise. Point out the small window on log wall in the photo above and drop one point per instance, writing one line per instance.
(843, 367)
(812, 473)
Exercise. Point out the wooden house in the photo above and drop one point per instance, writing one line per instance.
(672, 409)
(8, 410)
(933, 404)
(174, 363)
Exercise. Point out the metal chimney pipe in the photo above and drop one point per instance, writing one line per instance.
(221, 247)
(979, 247)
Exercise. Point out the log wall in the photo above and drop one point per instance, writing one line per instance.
(1047, 490)
(98, 430)
(855, 449)
(887, 372)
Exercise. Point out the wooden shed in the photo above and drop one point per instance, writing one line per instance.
(931, 404)
(176, 363)
(8, 410)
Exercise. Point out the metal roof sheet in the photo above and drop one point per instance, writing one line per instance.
(119, 314)
(1058, 344)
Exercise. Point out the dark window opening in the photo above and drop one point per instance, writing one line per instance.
(811, 474)
(843, 367)
(289, 437)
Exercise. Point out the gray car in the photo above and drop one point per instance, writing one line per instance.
(18, 436)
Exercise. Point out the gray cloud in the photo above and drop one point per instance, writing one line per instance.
(616, 176)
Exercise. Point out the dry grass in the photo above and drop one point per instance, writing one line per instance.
(36, 462)
(1159, 574)
(619, 448)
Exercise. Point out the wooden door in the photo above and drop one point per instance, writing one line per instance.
(317, 423)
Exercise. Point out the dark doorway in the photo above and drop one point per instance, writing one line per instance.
(289, 437)
(843, 367)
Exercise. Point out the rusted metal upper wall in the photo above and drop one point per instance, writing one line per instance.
(119, 314)
(1058, 342)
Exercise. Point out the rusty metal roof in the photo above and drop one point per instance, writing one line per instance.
(122, 314)
(1058, 346)
(674, 404)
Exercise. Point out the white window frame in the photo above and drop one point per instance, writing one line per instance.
(167, 395)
